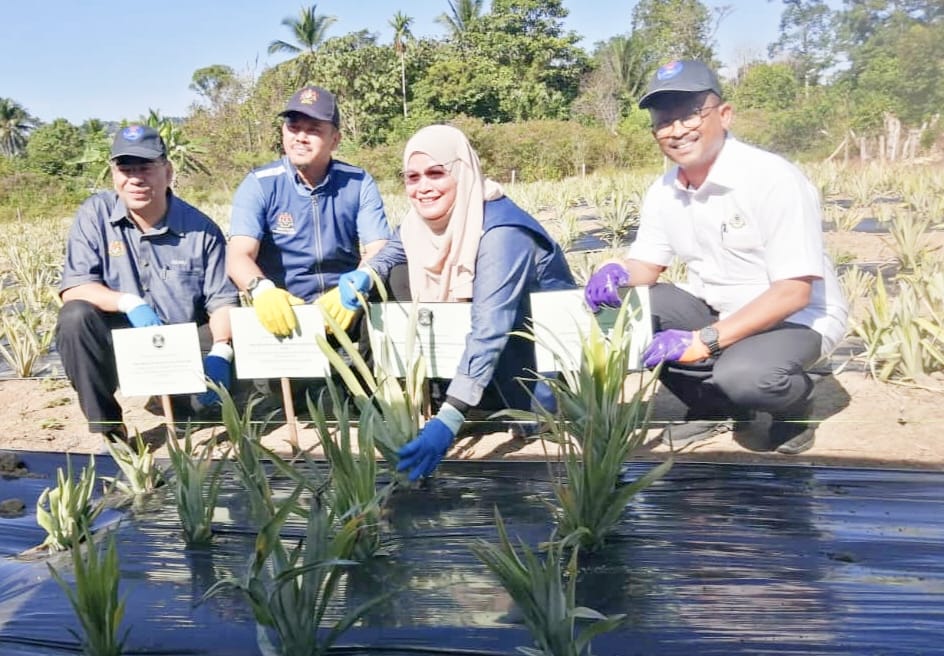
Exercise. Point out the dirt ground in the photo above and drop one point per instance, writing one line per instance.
(863, 422)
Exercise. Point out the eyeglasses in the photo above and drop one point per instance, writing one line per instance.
(663, 126)
(139, 169)
(434, 174)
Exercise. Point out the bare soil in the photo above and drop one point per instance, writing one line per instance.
(863, 422)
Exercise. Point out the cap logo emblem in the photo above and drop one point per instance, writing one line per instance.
(736, 222)
(670, 70)
(116, 248)
(308, 97)
(132, 132)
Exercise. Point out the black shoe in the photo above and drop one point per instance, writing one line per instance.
(116, 434)
(697, 427)
(793, 432)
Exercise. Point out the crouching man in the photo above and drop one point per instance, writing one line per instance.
(139, 256)
(762, 302)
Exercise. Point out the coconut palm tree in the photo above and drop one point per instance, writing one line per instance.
(462, 13)
(15, 124)
(401, 34)
(308, 29)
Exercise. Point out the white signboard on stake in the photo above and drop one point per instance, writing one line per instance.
(159, 360)
(402, 332)
(562, 322)
(260, 354)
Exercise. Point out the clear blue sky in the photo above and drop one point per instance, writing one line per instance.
(114, 60)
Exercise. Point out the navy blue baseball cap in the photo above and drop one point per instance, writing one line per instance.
(681, 76)
(314, 102)
(138, 141)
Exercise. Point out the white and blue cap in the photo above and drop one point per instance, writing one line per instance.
(681, 76)
(138, 141)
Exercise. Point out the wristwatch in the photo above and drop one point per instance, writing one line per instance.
(251, 287)
(709, 337)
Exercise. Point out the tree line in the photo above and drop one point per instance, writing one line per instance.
(530, 97)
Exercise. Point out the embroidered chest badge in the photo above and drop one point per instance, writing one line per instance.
(737, 222)
(116, 248)
(284, 224)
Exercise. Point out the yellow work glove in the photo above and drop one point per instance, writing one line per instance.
(274, 310)
(330, 303)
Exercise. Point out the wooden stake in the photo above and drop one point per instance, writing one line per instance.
(289, 404)
(168, 415)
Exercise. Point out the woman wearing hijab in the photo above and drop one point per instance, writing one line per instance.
(464, 240)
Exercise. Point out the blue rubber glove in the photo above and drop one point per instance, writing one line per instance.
(603, 286)
(673, 346)
(351, 284)
(139, 313)
(544, 397)
(423, 454)
(216, 367)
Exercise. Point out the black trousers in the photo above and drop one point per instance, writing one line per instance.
(765, 372)
(83, 339)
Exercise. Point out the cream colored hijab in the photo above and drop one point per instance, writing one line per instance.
(442, 267)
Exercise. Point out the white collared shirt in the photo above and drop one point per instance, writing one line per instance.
(755, 219)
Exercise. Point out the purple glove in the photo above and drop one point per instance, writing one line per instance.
(603, 286)
(143, 315)
(218, 370)
(422, 454)
(352, 283)
(667, 345)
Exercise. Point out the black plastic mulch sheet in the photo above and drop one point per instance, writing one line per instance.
(714, 559)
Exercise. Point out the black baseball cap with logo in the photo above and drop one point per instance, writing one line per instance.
(314, 102)
(680, 76)
(138, 141)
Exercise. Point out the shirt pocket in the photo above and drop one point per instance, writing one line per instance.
(742, 252)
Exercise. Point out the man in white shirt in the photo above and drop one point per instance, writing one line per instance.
(762, 302)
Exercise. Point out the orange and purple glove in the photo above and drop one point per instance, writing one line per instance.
(674, 346)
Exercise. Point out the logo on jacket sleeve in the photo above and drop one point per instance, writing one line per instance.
(116, 248)
(284, 224)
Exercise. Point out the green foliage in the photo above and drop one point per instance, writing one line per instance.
(95, 597)
(246, 453)
(308, 31)
(197, 480)
(182, 151)
(211, 82)
(597, 430)
(771, 87)
(545, 593)
(812, 124)
(29, 194)
(140, 473)
(66, 512)
(55, 148)
(807, 38)
(15, 126)
(390, 410)
(671, 29)
(461, 16)
(366, 78)
(353, 493)
(891, 48)
(902, 332)
(290, 591)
